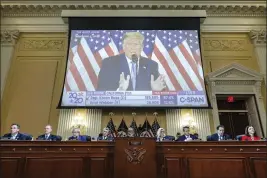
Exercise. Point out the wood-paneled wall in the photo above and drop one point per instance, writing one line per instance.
(34, 82)
(37, 71)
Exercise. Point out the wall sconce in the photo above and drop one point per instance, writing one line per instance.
(79, 122)
(189, 121)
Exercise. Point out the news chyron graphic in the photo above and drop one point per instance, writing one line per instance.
(134, 68)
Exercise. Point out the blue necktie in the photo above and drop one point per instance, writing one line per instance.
(133, 75)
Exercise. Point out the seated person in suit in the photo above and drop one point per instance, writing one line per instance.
(15, 134)
(130, 132)
(250, 134)
(220, 135)
(47, 136)
(76, 135)
(187, 136)
(106, 135)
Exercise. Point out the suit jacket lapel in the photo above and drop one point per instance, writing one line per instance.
(124, 67)
(17, 137)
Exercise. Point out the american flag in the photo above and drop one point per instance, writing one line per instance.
(134, 126)
(111, 127)
(176, 52)
(122, 127)
(147, 128)
(155, 127)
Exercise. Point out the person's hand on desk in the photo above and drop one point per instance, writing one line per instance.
(159, 84)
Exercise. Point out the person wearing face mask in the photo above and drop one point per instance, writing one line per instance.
(130, 71)
(187, 136)
(220, 135)
(250, 134)
(76, 135)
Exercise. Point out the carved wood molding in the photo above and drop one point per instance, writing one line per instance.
(258, 36)
(53, 9)
(224, 45)
(9, 36)
(43, 45)
(135, 155)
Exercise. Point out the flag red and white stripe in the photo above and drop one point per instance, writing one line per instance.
(178, 59)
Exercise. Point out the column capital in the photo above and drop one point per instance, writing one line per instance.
(258, 37)
(9, 37)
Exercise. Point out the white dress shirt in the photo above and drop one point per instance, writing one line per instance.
(13, 137)
(47, 136)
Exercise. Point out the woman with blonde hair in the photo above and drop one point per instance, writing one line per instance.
(161, 134)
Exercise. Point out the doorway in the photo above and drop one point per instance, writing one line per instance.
(237, 114)
(234, 122)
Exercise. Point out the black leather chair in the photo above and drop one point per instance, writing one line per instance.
(88, 138)
(27, 136)
(59, 138)
(238, 137)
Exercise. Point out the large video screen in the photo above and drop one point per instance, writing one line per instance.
(134, 68)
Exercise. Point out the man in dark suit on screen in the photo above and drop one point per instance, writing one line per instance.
(130, 71)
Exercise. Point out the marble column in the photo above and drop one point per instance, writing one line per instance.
(8, 41)
(260, 104)
(174, 121)
(258, 38)
(91, 118)
(201, 118)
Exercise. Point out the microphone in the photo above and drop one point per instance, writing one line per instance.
(135, 60)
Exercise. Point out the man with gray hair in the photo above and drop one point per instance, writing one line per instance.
(105, 135)
(129, 70)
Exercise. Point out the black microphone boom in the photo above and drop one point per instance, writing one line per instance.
(134, 58)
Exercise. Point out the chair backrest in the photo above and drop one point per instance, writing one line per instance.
(170, 137)
(27, 136)
(208, 138)
(88, 138)
(238, 137)
(58, 138)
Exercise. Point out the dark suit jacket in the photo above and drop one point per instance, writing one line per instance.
(80, 138)
(112, 67)
(19, 136)
(182, 138)
(109, 138)
(215, 137)
(50, 138)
